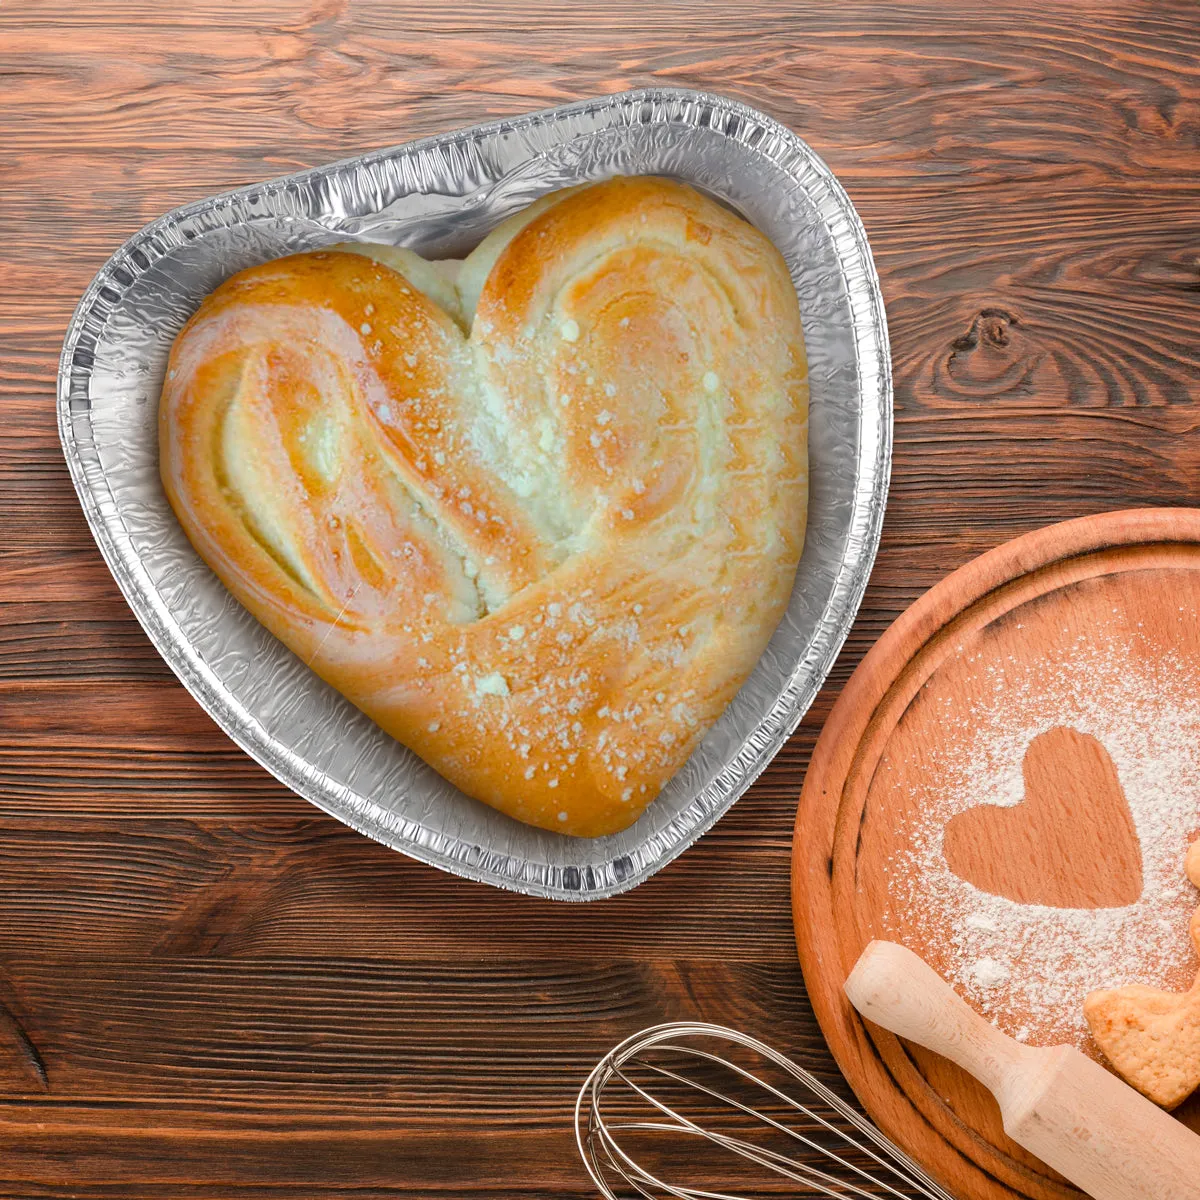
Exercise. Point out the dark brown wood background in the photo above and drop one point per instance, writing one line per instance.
(207, 988)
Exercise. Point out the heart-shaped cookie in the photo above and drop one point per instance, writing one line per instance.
(1070, 843)
(1150, 1036)
(538, 519)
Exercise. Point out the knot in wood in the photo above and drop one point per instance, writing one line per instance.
(989, 358)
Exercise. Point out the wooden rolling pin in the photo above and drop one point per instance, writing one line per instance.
(1055, 1101)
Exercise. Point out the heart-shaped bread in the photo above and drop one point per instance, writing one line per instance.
(537, 519)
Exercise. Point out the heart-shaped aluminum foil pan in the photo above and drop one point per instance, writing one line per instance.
(440, 196)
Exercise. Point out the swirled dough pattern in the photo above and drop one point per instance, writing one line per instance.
(537, 517)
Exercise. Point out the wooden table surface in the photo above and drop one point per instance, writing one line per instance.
(209, 989)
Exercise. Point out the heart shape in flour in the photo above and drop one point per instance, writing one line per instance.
(1069, 843)
(538, 518)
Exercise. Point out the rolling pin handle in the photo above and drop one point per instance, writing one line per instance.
(897, 990)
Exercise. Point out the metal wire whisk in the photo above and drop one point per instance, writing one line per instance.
(641, 1088)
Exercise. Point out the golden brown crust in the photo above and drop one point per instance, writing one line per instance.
(1152, 1037)
(545, 554)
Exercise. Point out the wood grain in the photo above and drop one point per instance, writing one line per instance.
(1029, 176)
(1063, 599)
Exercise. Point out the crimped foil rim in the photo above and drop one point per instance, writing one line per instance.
(810, 671)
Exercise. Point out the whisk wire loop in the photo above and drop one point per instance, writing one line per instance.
(782, 1164)
(812, 1114)
(608, 1161)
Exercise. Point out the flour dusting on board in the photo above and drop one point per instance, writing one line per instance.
(1023, 962)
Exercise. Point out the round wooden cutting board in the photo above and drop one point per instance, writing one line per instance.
(1008, 785)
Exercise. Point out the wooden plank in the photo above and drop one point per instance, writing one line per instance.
(334, 1034)
(300, 883)
(210, 968)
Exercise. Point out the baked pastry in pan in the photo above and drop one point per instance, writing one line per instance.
(538, 513)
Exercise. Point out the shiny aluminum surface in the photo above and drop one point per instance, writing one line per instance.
(440, 196)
